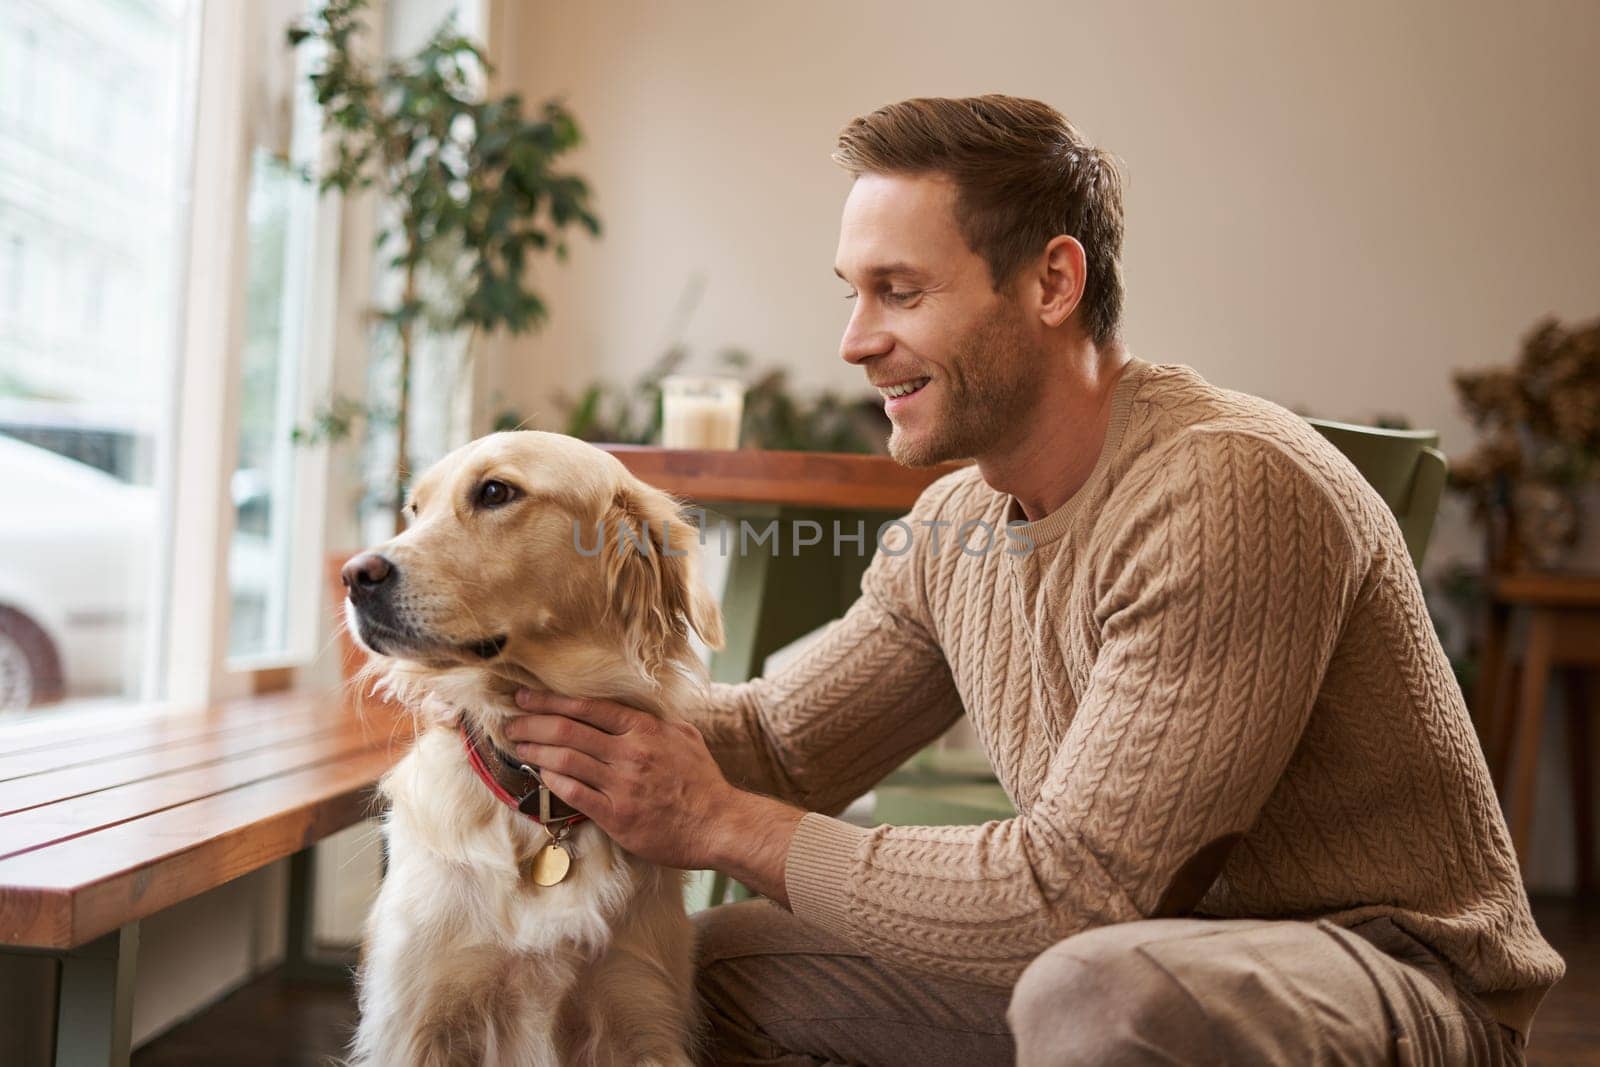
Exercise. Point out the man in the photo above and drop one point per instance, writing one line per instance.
(1254, 825)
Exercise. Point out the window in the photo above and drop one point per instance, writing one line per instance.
(273, 574)
(85, 380)
(13, 265)
(265, 558)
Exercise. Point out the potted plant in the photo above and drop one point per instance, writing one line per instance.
(469, 191)
(1534, 476)
(469, 197)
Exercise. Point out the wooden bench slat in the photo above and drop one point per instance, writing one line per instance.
(80, 751)
(70, 893)
(34, 791)
(74, 817)
(43, 733)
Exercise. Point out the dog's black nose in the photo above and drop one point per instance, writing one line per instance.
(365, 574)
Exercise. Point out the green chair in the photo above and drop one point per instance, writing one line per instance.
(957, 787)
(1403, 466)
(933, 802)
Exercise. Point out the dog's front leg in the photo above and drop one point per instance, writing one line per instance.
(638, 996)
(636, 1014)
(482, 1007)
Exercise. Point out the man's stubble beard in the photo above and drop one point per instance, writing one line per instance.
(990, 386)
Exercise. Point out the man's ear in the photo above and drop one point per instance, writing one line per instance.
(1063, 275)
(650, 551)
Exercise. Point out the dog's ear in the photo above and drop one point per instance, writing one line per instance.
(650, 549)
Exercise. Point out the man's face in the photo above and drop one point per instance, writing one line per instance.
(926, 323)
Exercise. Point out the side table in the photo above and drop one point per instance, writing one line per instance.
(1561, 624)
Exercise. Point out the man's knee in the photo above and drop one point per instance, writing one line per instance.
(1097, 998)
(722, 935)
(757, 928)
(727, 929)
(734, 991)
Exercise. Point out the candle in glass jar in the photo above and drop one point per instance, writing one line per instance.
(701, 412)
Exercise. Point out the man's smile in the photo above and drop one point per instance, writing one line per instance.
(895, 396)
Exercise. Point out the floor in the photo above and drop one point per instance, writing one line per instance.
(272, 1022)
(277, 1023)
(1566, 1032)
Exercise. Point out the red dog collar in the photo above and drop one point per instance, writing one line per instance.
(536, 801)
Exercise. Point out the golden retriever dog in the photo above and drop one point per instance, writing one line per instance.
(496, 940)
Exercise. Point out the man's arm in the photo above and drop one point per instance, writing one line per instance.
(1221, 601)
(868, 694)
(864, 698)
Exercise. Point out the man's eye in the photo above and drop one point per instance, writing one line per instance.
(894, 296)
(493, 494)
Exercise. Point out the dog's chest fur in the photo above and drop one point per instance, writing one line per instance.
(461, 936)
(447, 830)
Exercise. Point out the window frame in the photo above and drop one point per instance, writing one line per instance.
(196, 668)
(312, 260)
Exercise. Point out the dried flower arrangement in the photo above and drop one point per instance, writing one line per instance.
(1540, 450)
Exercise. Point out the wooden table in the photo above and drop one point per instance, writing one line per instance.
(777, 590)
(103, 823)
(1561, 616)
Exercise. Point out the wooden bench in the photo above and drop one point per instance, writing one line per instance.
(103, 823)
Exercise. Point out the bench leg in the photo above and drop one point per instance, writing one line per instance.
(301, 960)
(302, 896)
(94, 1001)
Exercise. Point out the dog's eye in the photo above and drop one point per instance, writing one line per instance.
(493, 494)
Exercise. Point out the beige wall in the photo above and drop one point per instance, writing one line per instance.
(1329, 205)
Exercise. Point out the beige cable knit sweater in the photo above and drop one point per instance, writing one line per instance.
(1219, 640)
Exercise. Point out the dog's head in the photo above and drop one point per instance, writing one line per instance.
(535, 556)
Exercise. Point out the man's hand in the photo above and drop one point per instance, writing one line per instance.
(654, 788)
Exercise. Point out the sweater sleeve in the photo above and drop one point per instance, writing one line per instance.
(1222, 574)
(868, 694)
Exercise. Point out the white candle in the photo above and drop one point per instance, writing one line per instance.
(701, 412)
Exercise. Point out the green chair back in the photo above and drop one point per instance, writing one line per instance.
(1403, 466)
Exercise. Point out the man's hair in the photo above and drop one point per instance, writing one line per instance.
(1022, 174)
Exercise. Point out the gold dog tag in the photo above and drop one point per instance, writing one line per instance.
(551, 864)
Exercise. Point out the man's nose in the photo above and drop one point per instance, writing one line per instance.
(861, 340)
(365, 575)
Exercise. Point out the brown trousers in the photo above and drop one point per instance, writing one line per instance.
(1166, 991)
